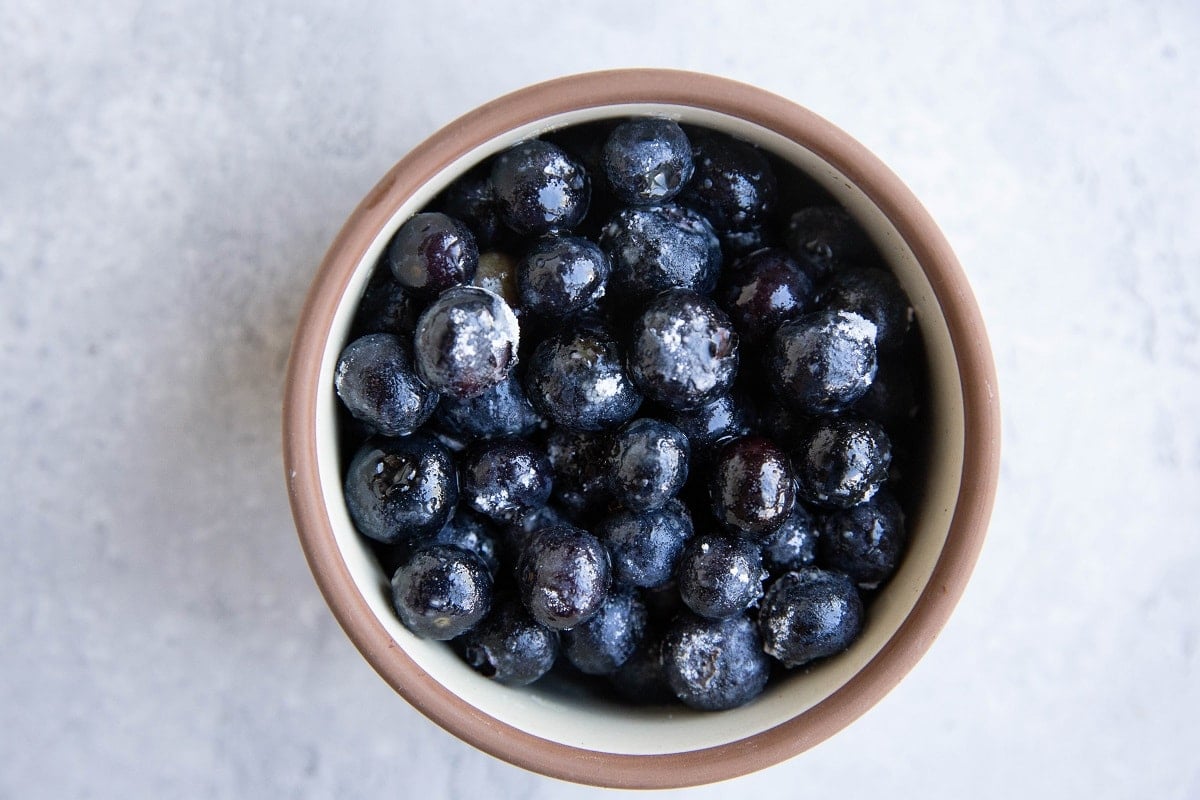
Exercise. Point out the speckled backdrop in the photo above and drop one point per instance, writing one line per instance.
(171, 174)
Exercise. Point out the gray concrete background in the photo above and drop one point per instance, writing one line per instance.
(171, 176)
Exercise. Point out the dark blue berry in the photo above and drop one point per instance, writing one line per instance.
(563, 576)
(400, 489)
(808, 614)
(733, 185)
(505, 477)
(646, 546)
(432, 252)
(647, 161)
(577, 379)
(823, 361)
(720, 576)
(472, 533)
(386, 307)
(713, 665)
(509, 647)
(578, 461)
(864, 541)
(824, 239)
(684, 352)
(875, 295)
(765, 290)
(560, 275)
(752, 487)
(518, 532)
(641, 679)
(377, 382)
(659, 248)
(606, 640)
(442, 592)
(502, 410)
(841, 461)
(736, 244)
(648, 464)
(539, 187)
(466, 342)
(794, 545)
(726, 416)
(472, 199)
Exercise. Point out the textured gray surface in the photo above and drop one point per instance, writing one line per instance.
(170, 180)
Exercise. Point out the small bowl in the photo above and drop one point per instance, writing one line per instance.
(586, 739)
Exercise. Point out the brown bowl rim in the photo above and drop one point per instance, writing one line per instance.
(981, 417)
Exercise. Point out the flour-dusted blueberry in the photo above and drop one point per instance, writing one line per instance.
(808, 614)
(503, 410)
(823, 361)
(824, 239)
(578, 462)
(641, 679)
(508, 646)
(864, 541)
(726, 416)
(577, 379)
(713, 665)
(504, 477)
(432, 252)
(720, 576)
(684, 351)
(386, 307)
(560, 275)
(466, 342)
(733, 186)
(658, 248)
(473, 200)
(442, 592)
(563, 576)
(647, 161)
(540, 187)
(648, 463)
(841, 461)
(399, 489)
(646, 546)
(794, 545)
(497, 272)
(473, 533)
(874, 294)
(376, 381)
(605, 641)
(752, 487)
(766, 289)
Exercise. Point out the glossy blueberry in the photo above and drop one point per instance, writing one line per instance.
(824, 239)
(864, 541)
(442, 592)
(766, 289)
(647, 161)
(432, 252)
(646, 546)
(794, 545)
(720, 576)
(400, 489)
(841, 461)
(508, 646)
(466, 342)
(563, 576)
(472, 199)
(738, 244)
(641, 679)
(471, 532)
(497, 272)
(810, 613)
(648, 463)
(539, 187)
(728, 415)
(504, 477)
(518, 532)
(386, 307)
(577, 379)
(684, 352)
(875, 295)
(658, 248)
(603, 643)
(560, 275)
(713, 665)
(733, 185)
(752, 487)
(823, 361)
(578, 462)
(376, 381)
(502, 410)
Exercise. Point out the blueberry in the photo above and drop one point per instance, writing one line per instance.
(497, 272)
(466, 342)
(641, 679)
(441, 592)
(560, 275)
(400, 489)
(539, 187)
(470, 532)
(720, 576)
(646, 546)
(713, 665)
(376, 381)
(823, 361)
(504, 477)
(766, 289)
(606, 640)
(808, 614)
(684, 352)
(752, 487)
(648, 464)
(563, 576)
(473, 200)
(647, 161)
(386, 307)
(578, 462)
(658, 248)
(503, 410)
(728, 415)
(794, 545)
(432, 252)
(864, 541)
(733, 186)
(576, 378)
(519, 531)
(875, 295)
(841, 461)
(824, 239)
(737, 244)
(509, 647)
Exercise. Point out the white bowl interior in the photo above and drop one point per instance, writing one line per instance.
(554, 713)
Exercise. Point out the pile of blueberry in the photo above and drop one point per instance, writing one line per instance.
(623, 403)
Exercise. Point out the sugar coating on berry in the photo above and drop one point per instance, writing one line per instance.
(713, 665)
(466, 342)
(822, 362)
